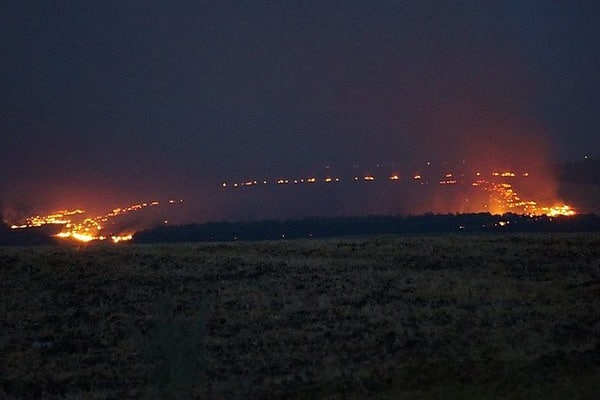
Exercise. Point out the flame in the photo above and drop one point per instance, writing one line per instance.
(505, 199)
(87, 229)
(121, 238)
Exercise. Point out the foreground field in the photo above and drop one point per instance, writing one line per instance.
(385, 318)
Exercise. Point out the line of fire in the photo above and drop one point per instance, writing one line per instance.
(502, 196)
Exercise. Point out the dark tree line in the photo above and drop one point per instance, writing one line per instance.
(371, 225)
(333, 227)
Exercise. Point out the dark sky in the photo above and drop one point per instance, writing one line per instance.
(115, 101)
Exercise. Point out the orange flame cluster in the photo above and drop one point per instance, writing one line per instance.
(74, 226)
(506, 199)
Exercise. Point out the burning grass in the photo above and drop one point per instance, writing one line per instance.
(493, 316)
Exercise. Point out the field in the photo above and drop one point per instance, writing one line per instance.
(491, 316)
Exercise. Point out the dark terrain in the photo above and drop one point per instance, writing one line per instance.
(491, 316)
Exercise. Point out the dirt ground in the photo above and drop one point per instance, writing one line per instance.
(491, 316)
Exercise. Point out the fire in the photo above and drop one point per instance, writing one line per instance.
(499, 184)
(559, 210)
(121, 238)
(90, 228)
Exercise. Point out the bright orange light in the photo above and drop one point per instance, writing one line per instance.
(82, 237)
(123, 238)
(394, 177)
(564, 210)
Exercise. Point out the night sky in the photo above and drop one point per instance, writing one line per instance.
(106, 102)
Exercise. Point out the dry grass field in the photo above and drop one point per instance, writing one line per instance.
(480, 317)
